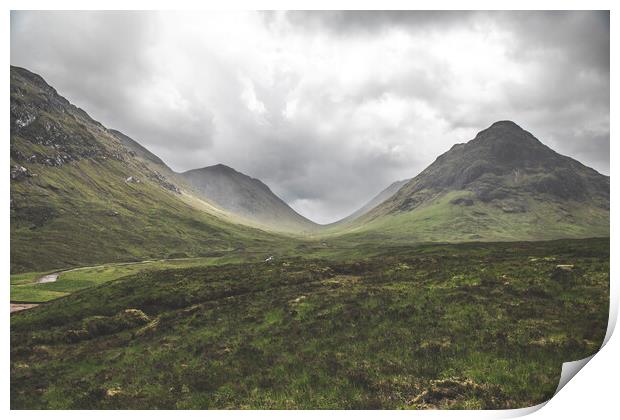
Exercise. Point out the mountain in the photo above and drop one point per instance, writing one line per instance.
(502, 185)
(374, 202)
(84, 194)
(246, 197)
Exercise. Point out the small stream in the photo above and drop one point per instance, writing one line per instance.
(49, 278)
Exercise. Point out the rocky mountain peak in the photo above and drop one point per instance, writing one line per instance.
(506, 124)
(504, 162)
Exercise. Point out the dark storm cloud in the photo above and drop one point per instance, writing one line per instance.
(370, 22)
(327, 108)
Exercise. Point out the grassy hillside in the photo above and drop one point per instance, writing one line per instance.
(437, 326)
(445, 219)
(85, 213)
(80, 195)
(502, 185)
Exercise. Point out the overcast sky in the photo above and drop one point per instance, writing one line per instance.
(327, 108)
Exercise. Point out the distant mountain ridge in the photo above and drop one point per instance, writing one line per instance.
(247, 197)
(374, 202)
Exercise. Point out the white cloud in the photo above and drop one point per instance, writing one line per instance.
(248, 95)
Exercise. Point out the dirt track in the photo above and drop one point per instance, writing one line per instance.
(15, 307)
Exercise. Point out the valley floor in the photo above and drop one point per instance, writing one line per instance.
(319, 326)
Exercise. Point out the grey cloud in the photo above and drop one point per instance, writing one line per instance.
(86, 55)
(583, 36)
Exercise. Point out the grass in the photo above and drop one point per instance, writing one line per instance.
(25, 278)
(376, 326)
(442, 220)
(24, 287)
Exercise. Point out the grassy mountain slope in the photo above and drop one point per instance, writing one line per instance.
(246, 197)
(80, 195)
(502, 185)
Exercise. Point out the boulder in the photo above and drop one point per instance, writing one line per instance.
(462, 201)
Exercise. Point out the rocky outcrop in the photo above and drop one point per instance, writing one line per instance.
(162, 181)
(18, 173)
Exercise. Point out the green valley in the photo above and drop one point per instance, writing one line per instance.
(137, 287)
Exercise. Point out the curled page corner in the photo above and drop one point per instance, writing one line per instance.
(570, 369)
(613, 314)
(520, 412)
